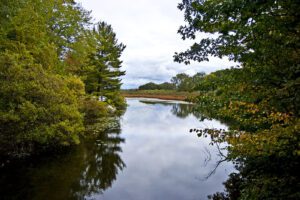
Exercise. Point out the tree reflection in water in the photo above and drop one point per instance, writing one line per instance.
(102, 163)
(180, 109)
(90, 168)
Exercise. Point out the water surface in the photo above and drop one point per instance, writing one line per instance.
(150, 154)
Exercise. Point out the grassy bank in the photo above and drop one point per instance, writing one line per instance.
(159, 94)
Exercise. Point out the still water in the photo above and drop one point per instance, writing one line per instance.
(150, 154)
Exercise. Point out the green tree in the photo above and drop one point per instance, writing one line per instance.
(247, 30)
(260, 99)
(261, 35)
(196, 80)
(66, 21)
(38, 109)
(149, 86)
(40, 97)
(103, 77)
(180, 81)
(154, 86)
(166, 86)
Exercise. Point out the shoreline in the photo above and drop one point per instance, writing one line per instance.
(156, 96)
(161, 94)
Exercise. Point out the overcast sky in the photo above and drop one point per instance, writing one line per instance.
(149, 30)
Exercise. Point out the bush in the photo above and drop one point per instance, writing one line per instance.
(37, 108)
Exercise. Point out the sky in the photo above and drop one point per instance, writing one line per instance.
(149, 28)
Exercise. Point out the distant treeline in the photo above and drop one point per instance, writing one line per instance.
(180, 82)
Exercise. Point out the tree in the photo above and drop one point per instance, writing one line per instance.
(38, 109)
(103, 77)
(179, 81)
(41, 98)
(166, 86)
(261, 35)
(260, 99)
(195, 81)
(247, 30)
(149, 86)
(39, 104)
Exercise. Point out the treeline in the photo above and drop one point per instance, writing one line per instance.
(180, 82)
(260, 100)
(55, 65)
(154, 86)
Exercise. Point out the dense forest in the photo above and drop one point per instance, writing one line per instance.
(259, 99)
(55, 66)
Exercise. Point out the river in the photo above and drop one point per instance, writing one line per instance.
(149, 155)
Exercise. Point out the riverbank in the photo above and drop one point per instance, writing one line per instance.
(159, 94)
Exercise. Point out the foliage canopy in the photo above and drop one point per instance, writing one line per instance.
(260, 98)
(43, 92)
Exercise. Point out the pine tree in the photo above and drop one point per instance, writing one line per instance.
(103, 78)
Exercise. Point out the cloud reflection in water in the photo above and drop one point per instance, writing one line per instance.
(164, 160)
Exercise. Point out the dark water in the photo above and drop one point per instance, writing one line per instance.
(150, 154)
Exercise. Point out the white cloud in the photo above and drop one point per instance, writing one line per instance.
(149, 30)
